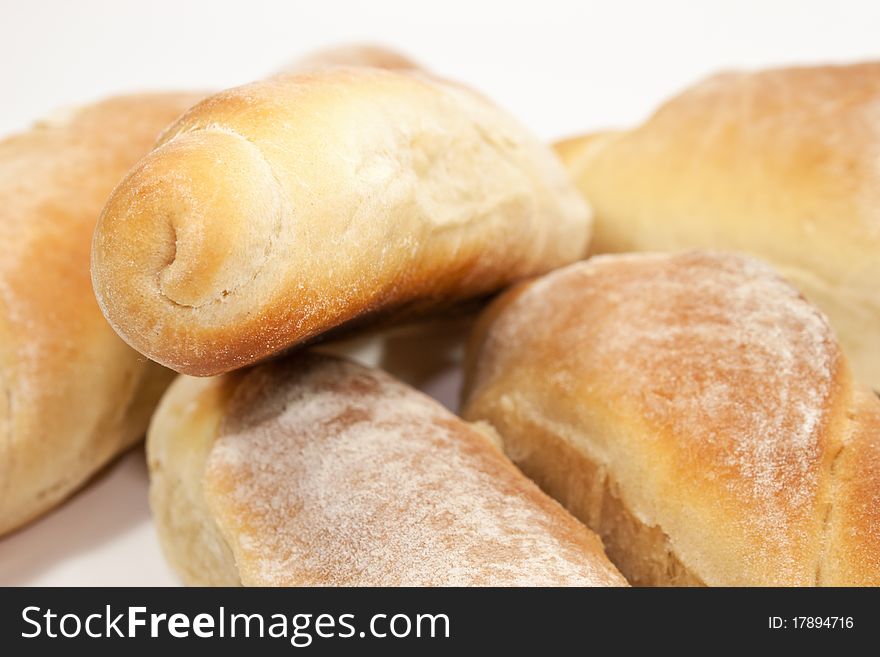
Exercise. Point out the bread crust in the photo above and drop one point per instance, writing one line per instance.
(312, 471)
(779, 163)
(73, 394)
(692, 409)
(276, 211)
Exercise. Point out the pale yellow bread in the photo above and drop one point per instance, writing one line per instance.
(312, 471)
(695, 411)
(274, 212)
(73, 394)
(783, 164)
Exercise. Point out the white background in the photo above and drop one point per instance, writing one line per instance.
(562, 67)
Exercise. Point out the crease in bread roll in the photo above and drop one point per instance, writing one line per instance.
(313, 470)
(72, 394)
(778, 163)
(277, 211)
(695, 411)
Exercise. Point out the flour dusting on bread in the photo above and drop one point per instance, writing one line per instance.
(723, 378)
(328, 473)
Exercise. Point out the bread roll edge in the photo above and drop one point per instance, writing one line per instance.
(179, 441)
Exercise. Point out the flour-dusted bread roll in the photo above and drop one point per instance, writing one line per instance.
(315, 471)
(276, 211)
(695, 411)
(73, 394)
(782, 164)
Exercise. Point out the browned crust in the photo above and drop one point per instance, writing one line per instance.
(222, 247)
(852, 555)
(74, 394)
(780, 163)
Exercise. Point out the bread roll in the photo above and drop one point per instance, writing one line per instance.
(695, 411)
(73, 394)
(276, 211)
(782, 164)
(316, 471)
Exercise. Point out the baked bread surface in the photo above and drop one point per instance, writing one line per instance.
(312, 471)
(73, 394)
(695, 411)
(276, 211)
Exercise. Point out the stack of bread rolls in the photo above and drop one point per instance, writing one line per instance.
(695, 411)
(672, 417)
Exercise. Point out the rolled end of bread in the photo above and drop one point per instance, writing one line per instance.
(277, 211)
(184, 239)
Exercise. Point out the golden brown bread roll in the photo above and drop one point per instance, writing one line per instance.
(315, 471)
(695, 411)
(780, 163)
(73, 394)
(278, 210)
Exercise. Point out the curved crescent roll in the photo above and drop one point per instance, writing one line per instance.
(782, 164)
(695, 411)
(316, 471)
(276, 211)
(73, 394)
